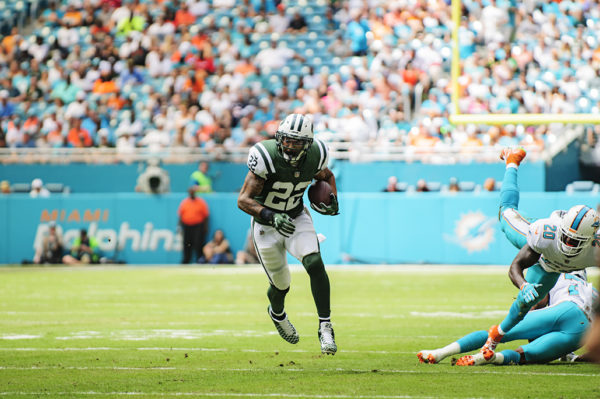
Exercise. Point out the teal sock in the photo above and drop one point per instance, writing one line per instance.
(511, 357)
(472, 341)
(516, 313)
(509, 193)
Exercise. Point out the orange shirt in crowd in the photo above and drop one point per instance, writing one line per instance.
(244, 68)
(79, 138)
(184, 18)
(101, 87)
(9, 43)
(192, 211)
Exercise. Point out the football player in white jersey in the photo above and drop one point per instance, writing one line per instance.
(564, 242)
(553, 331)
(280, 170)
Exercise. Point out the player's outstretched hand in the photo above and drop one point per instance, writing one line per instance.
(528, 293)
(283, 224)
(332, 209)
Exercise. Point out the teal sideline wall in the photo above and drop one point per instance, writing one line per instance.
(372, 227)
(229, 177)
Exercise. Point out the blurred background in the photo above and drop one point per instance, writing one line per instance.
(110, 110)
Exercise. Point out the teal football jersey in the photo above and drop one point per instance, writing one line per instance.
(285, 184)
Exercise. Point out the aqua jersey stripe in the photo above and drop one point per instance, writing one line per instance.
(579, 218)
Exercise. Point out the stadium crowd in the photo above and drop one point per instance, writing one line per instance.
(222, 73)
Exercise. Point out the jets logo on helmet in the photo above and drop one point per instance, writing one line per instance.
(577, 229)
(294, 137)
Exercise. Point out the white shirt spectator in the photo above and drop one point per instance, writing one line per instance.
(223, 3)
(274, 58)
(38, 51)
(38, 189)
(157, 66)
(125, 144)
(311, 81)
(14, 136)
(198, 7)
(279, 23)
(76, 109)
(49, 125)
(164, 29)
(120, 14)
(495, 20)
(155, 140)
(67, 37)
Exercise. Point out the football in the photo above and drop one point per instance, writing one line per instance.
(320, 191)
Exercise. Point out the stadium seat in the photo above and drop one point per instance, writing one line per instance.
(582, 186)
(466, 185)
(20, 188)
(434, 186)
(55, 187)
(402, 186)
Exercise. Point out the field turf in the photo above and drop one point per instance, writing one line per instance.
(156, 332)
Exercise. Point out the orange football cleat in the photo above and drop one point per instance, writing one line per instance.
(494, 337)
(513, 155)
(426, 357)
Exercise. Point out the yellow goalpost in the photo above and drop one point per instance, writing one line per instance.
(498, 119)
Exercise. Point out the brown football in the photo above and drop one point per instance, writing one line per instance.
(320, 191)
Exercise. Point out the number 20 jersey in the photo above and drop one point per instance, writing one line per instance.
(543, 239)
(285, 184)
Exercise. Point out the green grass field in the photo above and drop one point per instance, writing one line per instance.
(204, 332)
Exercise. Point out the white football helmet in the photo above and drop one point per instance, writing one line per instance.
(578, 227)
(294, 137)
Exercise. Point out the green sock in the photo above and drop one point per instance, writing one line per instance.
(319, 284)
(277, 298)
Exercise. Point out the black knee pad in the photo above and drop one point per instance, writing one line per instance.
(313, 263)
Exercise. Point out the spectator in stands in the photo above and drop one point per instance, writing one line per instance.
(276, 57)
(422, 186)
(279, 22)
(193, 218)
(38, 190)
(489, 184)
(183, 16)
(217, 251)
(4, 187)
(200, 181)
(298, 23)
(84, 250)
(79, 137)
(51, 250)
(7, 108)
(453, 186)
(356, 31)
(248, 254)
(392, 185)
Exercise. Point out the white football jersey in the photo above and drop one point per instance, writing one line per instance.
(543, 238)
(574, 289)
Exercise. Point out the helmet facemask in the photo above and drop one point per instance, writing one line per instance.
(571, 243)
(293, 147)
(577, 229)
(294, 137)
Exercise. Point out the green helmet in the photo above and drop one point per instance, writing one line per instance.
(294, 137)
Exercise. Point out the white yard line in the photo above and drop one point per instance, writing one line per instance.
(296, 268)
(161, 349)
(424, 369)
(213, 394)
